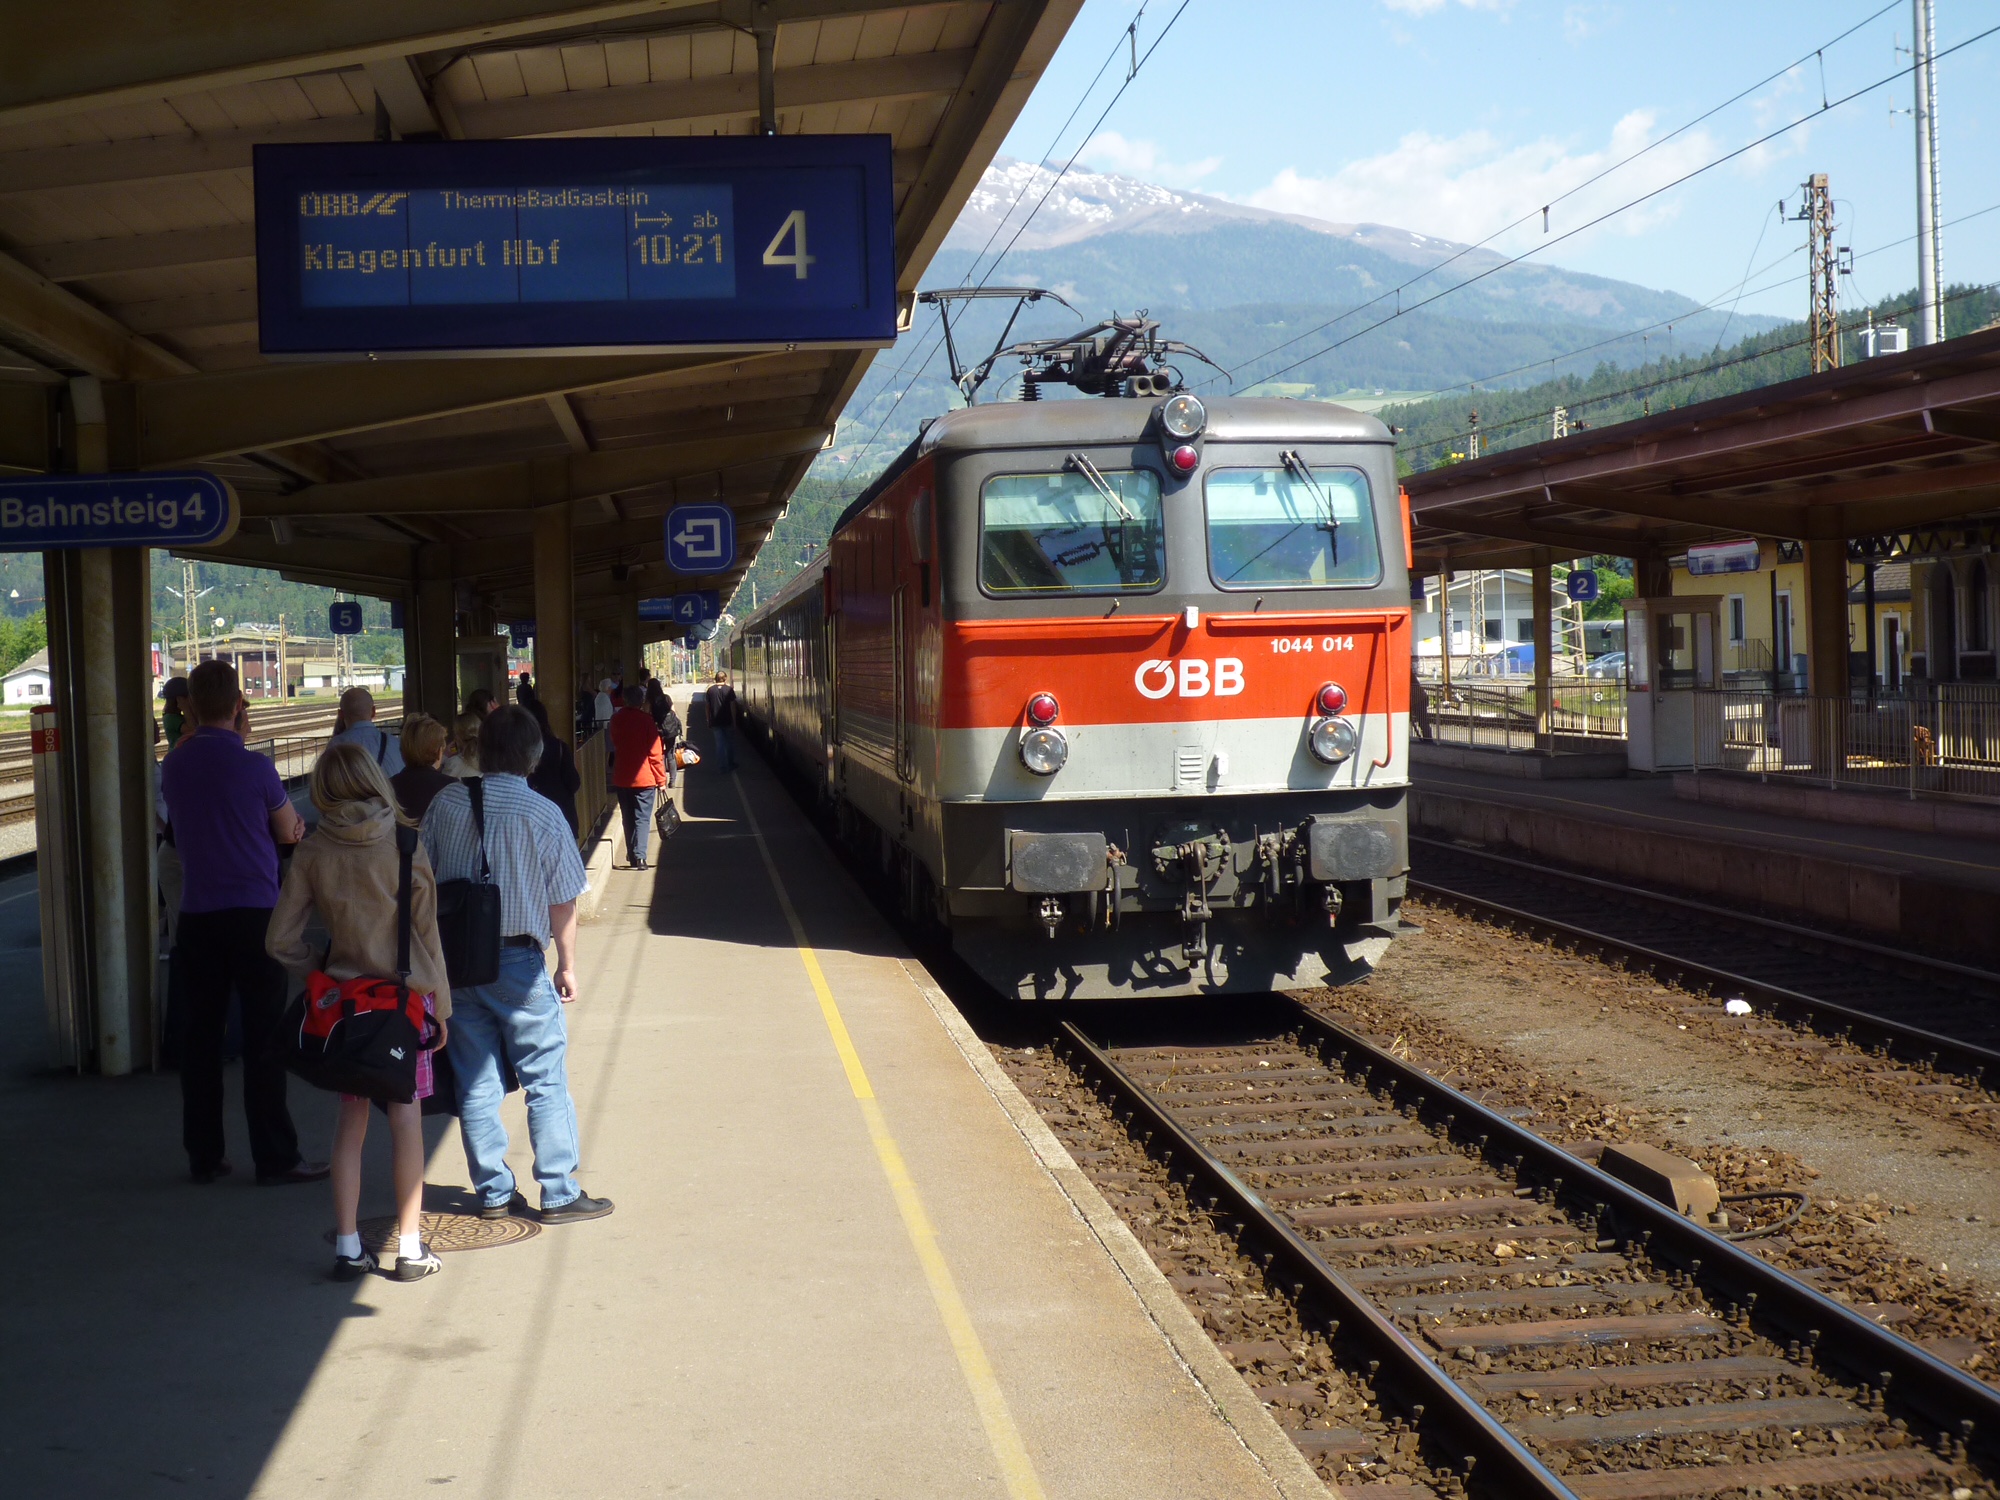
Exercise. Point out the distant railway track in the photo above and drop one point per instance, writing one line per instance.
(286, 724)
(1502, 1313)
(1914, 1007)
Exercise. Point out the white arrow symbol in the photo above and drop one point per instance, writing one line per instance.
(694, 528)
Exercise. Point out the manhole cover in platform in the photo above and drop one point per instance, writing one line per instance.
(446, 1232)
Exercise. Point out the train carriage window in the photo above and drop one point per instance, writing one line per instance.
(1271, 528)
(1059, 534)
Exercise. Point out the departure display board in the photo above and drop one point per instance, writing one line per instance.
(590, 244)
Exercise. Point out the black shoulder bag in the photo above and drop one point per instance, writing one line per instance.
(468, 912)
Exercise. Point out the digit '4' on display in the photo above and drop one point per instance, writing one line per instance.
(796, 258)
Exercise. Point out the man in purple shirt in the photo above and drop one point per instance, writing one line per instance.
(230, 812)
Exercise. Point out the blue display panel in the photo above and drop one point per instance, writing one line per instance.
(575, 244)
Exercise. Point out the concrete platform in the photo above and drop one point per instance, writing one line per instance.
(1924, 890)
(844, 1263)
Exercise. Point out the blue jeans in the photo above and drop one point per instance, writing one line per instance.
(725, 747)
(518, 1017)
(636, 803)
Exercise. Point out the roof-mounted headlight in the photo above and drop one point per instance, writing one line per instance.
(1183, 416)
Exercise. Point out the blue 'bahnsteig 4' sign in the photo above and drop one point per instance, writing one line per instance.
(56, 512)
(614, 243)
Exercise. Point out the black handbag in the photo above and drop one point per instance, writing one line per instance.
(362, 1036)
(468, 912)
(666, 816)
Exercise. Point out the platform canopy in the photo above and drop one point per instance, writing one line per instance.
(1887, 446)
(126, 223)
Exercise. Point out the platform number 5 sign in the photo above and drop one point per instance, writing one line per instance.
(793, 228)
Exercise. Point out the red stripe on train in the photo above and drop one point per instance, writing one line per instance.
(1156, 669)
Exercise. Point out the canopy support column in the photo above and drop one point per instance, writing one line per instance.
(555, 616)
(1544, 645)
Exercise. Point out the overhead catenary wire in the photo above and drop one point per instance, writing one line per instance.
(1619, 165)
(931, 346)
(1646, 197)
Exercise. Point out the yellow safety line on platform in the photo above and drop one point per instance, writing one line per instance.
(1016, 1467)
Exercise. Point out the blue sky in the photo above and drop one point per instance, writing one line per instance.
(1455, 117)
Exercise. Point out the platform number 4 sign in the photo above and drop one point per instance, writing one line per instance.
(775, 253)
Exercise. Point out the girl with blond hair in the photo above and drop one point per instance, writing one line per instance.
(347, 873)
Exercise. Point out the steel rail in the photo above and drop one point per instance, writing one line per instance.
(1960, 1407)
(1963, 1059)
(1443, 1410)
(1833, 941)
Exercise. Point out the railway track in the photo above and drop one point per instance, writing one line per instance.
(1920, 1009)
(276, 722)
(1505, 1317)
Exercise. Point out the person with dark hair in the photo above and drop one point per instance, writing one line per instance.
(638, 771)
(722, 712)
(556, 776)
(230, 812)
(481, 702)
(518, 1019)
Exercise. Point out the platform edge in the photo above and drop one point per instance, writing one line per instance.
(1228, 1394)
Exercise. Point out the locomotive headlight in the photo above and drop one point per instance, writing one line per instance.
(1183, 416)
(1043, 751)
(1333, 740)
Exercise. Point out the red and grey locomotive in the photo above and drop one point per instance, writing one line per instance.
(1118, 689)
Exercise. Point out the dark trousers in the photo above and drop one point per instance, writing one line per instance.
(636, 803)
(219, 950)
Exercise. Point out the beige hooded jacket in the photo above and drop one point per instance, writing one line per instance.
(346, 874)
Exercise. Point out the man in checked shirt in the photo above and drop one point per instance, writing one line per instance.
(533, 860)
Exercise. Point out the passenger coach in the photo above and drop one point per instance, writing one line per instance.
(1116, 689)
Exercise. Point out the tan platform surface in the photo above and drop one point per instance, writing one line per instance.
(754, 1321)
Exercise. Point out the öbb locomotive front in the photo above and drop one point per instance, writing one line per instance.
(1117, 690)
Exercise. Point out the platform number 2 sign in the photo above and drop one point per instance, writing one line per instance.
(794, 229)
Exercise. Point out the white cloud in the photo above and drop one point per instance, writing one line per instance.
(1465, 187)
(1108, 151)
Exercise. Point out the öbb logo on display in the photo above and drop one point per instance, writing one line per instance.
(1191, 677)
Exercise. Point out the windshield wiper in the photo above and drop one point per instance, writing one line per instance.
(1097, 481)
(1296, 465)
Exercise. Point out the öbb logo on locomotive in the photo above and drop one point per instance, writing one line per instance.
(1191, 676)
(948, 680)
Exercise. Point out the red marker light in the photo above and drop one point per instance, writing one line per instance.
(1331, 699)
(1184, 458)
(1042, 708)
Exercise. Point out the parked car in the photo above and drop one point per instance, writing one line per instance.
(1610, 664)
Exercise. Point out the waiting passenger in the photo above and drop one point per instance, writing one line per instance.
(638, 771)
(230, 812)
(604, 705)
(173, 709)
(423, 775)
(722, 715)
(481, 702)
(347, 875)
(556, 776)
(463, 757)
(519, 1018)
(355, 725)
(672, 732)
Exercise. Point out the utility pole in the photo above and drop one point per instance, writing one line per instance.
(1930, 252)
(1822, 267)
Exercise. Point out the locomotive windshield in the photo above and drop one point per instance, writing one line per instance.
(1271, 528)
(1063, 534)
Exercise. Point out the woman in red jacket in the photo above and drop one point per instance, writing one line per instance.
(638, 771)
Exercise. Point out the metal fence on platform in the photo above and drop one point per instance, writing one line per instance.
(593, 797)
(1585, 713)
(1941, 739)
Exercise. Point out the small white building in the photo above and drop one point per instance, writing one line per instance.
(28, 683)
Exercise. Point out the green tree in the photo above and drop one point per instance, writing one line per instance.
(22, 638)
